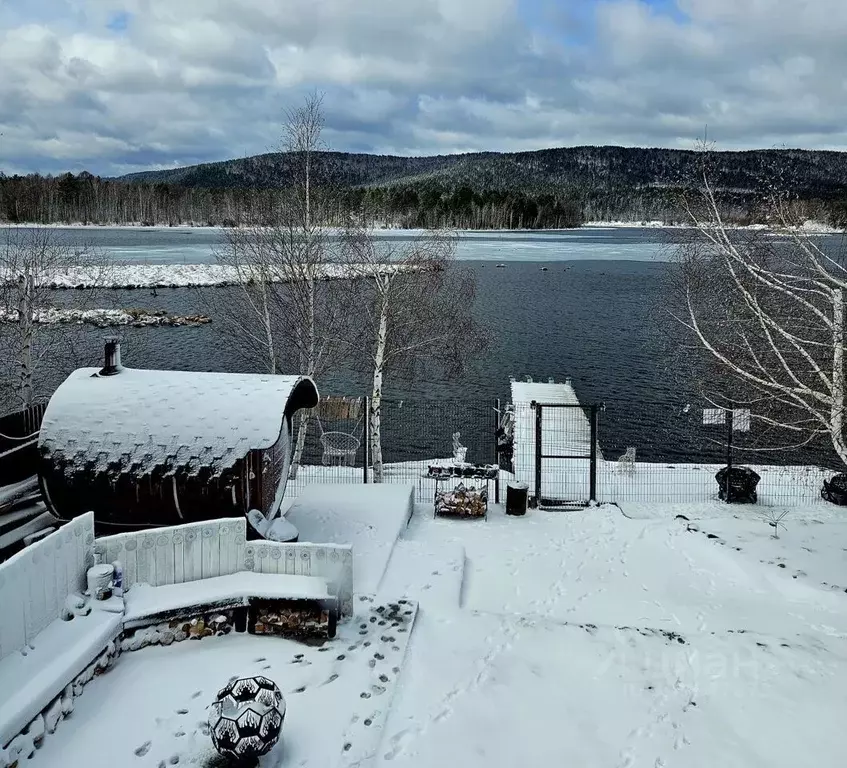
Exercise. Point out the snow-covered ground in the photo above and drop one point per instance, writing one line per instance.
(582, 638)
(151, 709)
(590, 639)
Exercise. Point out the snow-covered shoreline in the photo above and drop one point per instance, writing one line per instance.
(810, 226)
(148, 276)
(104, 318)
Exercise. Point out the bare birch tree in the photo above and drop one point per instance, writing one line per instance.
(30, 258)
(281, 312)
(412, 306)
(762, 319)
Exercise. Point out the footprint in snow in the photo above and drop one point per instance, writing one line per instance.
(196, 694)
(182, 711)
(143, 749)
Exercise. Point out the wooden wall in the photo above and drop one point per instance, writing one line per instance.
(218, 548)
(35, 582)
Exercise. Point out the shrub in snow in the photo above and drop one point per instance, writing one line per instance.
(245, 719)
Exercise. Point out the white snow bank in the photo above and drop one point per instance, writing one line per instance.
(809, 227)
(178, 275)
(103, 318)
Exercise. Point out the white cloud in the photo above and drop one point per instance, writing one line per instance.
(189, 82)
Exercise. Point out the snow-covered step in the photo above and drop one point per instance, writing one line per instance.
(370, 518)
(431, 574)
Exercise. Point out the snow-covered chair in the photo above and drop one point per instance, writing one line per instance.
(626, 463)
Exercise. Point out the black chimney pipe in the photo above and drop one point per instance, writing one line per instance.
(112, 357)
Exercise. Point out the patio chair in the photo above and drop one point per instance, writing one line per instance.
(339, 447)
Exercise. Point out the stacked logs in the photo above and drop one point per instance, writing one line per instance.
(298, 619)
(462, 502)
(175, 631)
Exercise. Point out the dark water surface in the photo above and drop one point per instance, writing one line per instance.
(563, 304)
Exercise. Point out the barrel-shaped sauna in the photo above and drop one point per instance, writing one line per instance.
(145, 448)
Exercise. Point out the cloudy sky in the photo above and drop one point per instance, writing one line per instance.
(119, 85)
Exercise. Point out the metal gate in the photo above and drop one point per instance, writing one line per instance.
(565, 454)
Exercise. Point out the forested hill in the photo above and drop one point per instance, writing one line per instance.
(810, 172)
(550, 188)
(590, 183)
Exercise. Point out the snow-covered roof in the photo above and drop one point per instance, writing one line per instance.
(143, 420)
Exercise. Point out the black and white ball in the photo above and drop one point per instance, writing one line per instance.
(246, 717)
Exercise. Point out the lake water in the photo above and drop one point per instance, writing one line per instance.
(564, 304)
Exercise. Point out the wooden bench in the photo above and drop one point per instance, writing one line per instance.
(261, 594)
(55, 657)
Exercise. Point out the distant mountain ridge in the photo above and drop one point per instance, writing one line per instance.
(809, 173)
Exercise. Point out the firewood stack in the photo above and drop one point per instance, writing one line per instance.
(297, 619)
(462, 502)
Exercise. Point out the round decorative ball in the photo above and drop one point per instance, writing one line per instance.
(246, 718)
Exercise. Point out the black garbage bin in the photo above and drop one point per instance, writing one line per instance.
(835, 490)
(516, 498)
(742, 485)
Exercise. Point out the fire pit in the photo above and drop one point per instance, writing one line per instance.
(835, 490)
(742, 485)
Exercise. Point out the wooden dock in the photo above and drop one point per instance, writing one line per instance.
(565, 431)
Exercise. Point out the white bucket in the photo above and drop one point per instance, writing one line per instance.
(100, 581)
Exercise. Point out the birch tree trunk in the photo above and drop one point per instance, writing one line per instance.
(25, 318)
(838, 393)
(375, 415)
(269, 335)
(302, 429)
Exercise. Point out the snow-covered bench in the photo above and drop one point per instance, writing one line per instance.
(40, 653)
(146, 605)
(57, 655)
(198, 569)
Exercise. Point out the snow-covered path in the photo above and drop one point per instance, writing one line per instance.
(585, 638)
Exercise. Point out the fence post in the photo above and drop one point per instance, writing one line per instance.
(592, 491)
(538, 423)
(367, 439)
(497, 449)
(729, 425)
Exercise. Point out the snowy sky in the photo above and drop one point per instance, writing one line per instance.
(119, 85)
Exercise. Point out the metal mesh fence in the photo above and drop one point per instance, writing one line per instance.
(414, 433)
(656, 452)
(646, 452)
